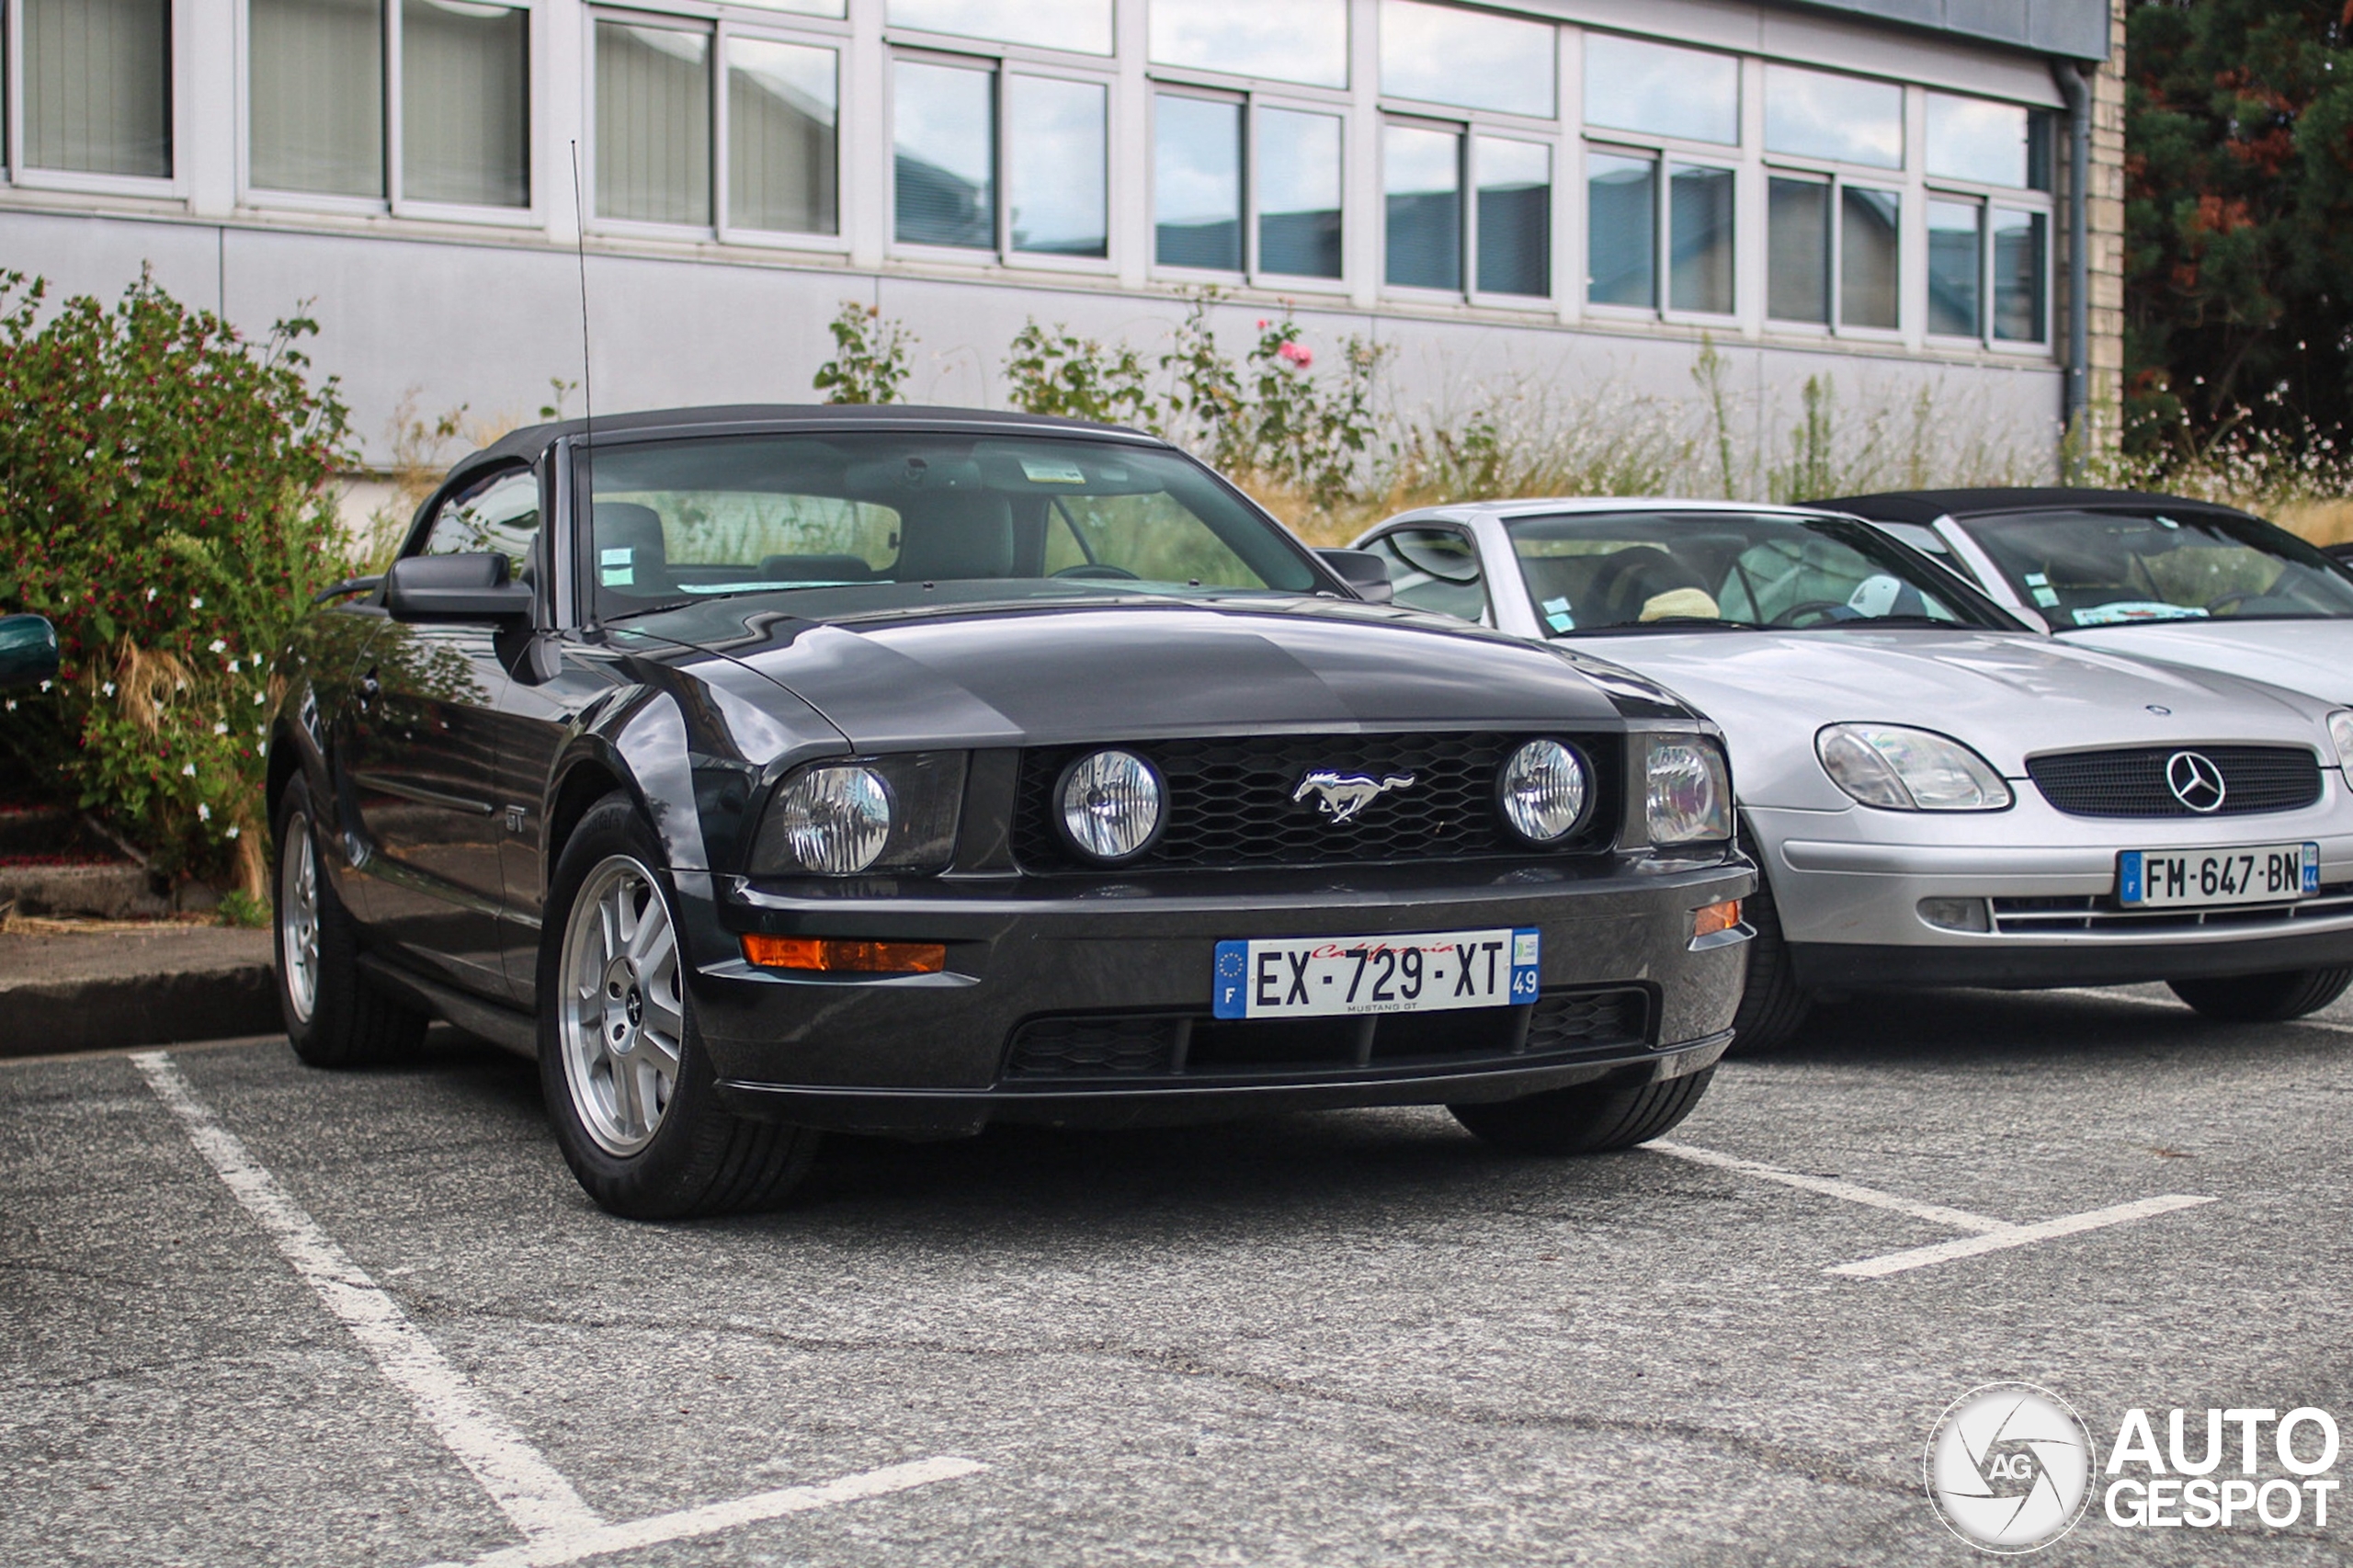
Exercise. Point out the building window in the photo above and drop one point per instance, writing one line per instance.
(1797, 249)
(316, 117)
(1197, 182)
(1421, 177)
(1699, 239)
(1083, 27)
(1290, 40)
(1660, 89)
(98, 86)
(1621, 230)
(949, 164)
(1827, 239)
(652, 123)
(1513, 189)
(2020, 249)
(782, 154)
(1956, 261)
(1443, 55)
(1299, 193)
(1869, 279)
(465, 103)
(1843, 120)
(1985, 143)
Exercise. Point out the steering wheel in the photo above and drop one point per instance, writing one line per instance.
(1825, 608)
(1100, 569)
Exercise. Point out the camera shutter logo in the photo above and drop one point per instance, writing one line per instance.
(2194, 781)
(2009, 1468)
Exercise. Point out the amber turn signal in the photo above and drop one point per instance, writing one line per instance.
(831, 955)
(1711, 918)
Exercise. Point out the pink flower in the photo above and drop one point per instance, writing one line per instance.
(1297, 354)
(1262, 323)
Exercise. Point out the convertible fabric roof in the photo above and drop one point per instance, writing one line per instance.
(1927, 505)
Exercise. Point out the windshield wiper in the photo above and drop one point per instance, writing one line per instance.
(1864, 622)
(1665, 623)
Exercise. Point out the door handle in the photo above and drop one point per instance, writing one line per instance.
(370, 688)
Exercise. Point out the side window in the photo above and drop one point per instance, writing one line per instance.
(499, 515)
(1433, 569)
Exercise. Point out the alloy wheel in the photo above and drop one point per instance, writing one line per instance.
(297, 917)
(622, 1010)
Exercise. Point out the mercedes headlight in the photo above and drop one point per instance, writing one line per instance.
(1545, 788)
(1111, 804)
(2340, 733)
(1687, 790)
(838, 819)
(1898, 768)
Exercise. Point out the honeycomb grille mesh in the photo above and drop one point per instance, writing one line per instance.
(2131, 782)
(1231, 800)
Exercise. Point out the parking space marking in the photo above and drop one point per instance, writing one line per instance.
(1830, 1186)
(1986, 1233)
(557, 1526)
(2015, 1236)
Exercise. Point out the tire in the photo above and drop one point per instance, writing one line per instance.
(334, 1017)
(1585, 1121)
(640, 1123)
(2264, 998)
(1773, 1006)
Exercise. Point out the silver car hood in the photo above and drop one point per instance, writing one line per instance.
(2007, 694)
(2315, 656)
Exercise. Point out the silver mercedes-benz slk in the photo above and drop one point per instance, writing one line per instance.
(1937, 794)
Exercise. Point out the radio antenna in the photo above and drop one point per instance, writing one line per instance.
(580, 251)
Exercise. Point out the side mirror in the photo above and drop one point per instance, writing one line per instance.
(1360, 570)
(27, 649)
(437, 588)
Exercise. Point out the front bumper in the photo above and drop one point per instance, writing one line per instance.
(1847, 887)
(937, 1054)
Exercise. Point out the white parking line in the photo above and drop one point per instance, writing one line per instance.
(557, 1525)
(1987, 1235)
(2015, 1236)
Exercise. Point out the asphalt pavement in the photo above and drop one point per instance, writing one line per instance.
(257, 1313)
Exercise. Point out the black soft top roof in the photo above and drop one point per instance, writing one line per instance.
(1927, 505)
(529, 442)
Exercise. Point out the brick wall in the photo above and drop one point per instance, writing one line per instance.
(2105, 218)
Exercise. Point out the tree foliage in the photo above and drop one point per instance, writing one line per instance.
(2239, 221)
(163, 499)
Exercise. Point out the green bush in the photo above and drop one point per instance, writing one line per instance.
(871, 357)
(163, 499)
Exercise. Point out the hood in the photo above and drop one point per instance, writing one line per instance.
(1054, 676)
(2008, 696)
(2313, 656)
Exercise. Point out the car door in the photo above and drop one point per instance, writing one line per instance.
(423, 756)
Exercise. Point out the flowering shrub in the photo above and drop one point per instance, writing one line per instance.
(164, 501)
(1061, 373)
(871, 357)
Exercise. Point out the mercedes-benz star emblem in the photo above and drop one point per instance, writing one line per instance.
(2194, 781)
(1342, 795)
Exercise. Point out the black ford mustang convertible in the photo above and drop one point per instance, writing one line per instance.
(767, 770)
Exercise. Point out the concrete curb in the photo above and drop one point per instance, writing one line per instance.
(105, 990)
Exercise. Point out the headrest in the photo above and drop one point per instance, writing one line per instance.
(631, 555)
(1629, 578)
(955, 535)
(817, 569)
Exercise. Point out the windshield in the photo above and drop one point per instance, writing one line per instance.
(2114, 568)
(1626, 572)
(874, 521)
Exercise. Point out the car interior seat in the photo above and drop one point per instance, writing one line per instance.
(954, 535)
(631, 557)
(1628, 580)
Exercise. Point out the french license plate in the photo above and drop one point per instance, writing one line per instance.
(2255, 873)
(1314, 977)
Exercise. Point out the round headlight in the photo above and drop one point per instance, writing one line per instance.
(833, 820)
(1111, 805)
(1544, 790)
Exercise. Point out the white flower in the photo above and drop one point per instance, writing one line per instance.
(203, 811)
(256, 699)
(220, 729)
(44, 686)
(219, 646)
(232, 666)
(188, 771)
(232, 833)
(12, 705)
(151, 596)
(196, 604)
(108, 688)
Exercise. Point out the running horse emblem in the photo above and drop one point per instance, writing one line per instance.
(1341, 796)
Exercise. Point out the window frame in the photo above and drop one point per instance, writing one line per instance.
(1838, 176)
(719, 24)
(1986, 197)
(1489, 616)
(1663, 155)
(20, 174)
(392, 124)
(1002, 62)
(1252, 95)
(1468, 126)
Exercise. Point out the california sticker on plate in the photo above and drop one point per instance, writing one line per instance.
(1314, 977)
(2251, 873)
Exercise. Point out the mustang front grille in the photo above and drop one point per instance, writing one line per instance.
(1233, 801)
(2132, 782)
(1194, 1046)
